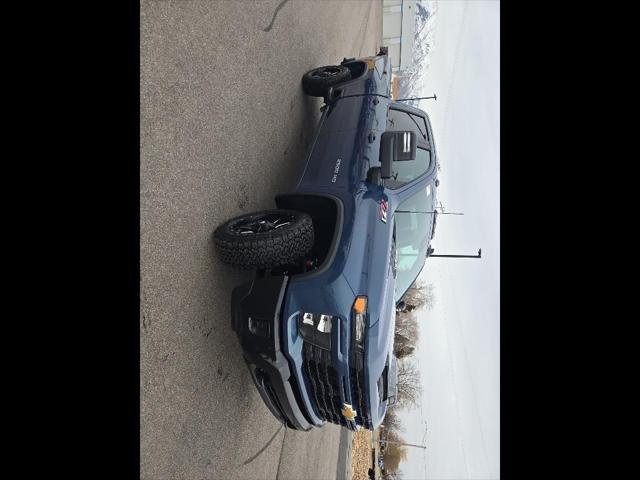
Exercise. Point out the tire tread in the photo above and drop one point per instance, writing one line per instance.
(280, 247)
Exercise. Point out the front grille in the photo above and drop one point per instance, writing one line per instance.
(324, 386)
(322, 380)
(358, 391)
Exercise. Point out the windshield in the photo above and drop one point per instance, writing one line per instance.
(413, 231)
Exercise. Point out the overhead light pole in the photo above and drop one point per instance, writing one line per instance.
(431, 250)
(417, 98)
(435, 212)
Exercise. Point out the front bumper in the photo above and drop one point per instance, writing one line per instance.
(303, 386)
(256, 306)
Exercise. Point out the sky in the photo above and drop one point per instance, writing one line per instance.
(459, 347)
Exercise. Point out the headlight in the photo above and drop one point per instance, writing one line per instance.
(359, 315)
(316, 328)
(307, 319)
(324, 324)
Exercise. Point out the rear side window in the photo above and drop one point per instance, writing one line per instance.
(406, 171)
(399, 120)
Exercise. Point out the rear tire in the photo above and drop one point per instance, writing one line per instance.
(317, 82)
(264, 240)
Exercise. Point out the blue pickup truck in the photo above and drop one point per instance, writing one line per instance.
(336, 256)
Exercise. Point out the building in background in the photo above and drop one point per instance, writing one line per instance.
(398, 29)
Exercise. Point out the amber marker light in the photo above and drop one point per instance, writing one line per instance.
(360, 305)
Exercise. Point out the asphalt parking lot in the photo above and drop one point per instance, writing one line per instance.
(223, 128)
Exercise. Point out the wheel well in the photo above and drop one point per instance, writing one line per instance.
(326, 214)
(357, 68)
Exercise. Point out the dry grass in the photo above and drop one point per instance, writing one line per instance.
(361, 455)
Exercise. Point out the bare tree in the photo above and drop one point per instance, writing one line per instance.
(394, 453)
(392, 422)
(403, 348)
(407, 325)
(409, 386)
(420, 294)
(406, 334)
(391, 475)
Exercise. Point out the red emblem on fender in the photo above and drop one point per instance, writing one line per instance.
(382, 210)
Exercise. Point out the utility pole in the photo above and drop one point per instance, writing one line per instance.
(405, 444)
(424, 211)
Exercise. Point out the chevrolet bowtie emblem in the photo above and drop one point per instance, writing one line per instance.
(348, 411)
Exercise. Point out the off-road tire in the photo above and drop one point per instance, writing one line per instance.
(265, 250)
(317, 85)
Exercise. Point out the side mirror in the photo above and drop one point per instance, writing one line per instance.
(396, 146)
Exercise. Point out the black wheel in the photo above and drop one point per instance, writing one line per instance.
(317, 81)
(266, 239)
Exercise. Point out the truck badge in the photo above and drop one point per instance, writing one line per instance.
(336, 169)
(348, 411)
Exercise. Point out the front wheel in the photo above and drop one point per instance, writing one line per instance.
(263, 240)
(318, 81)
